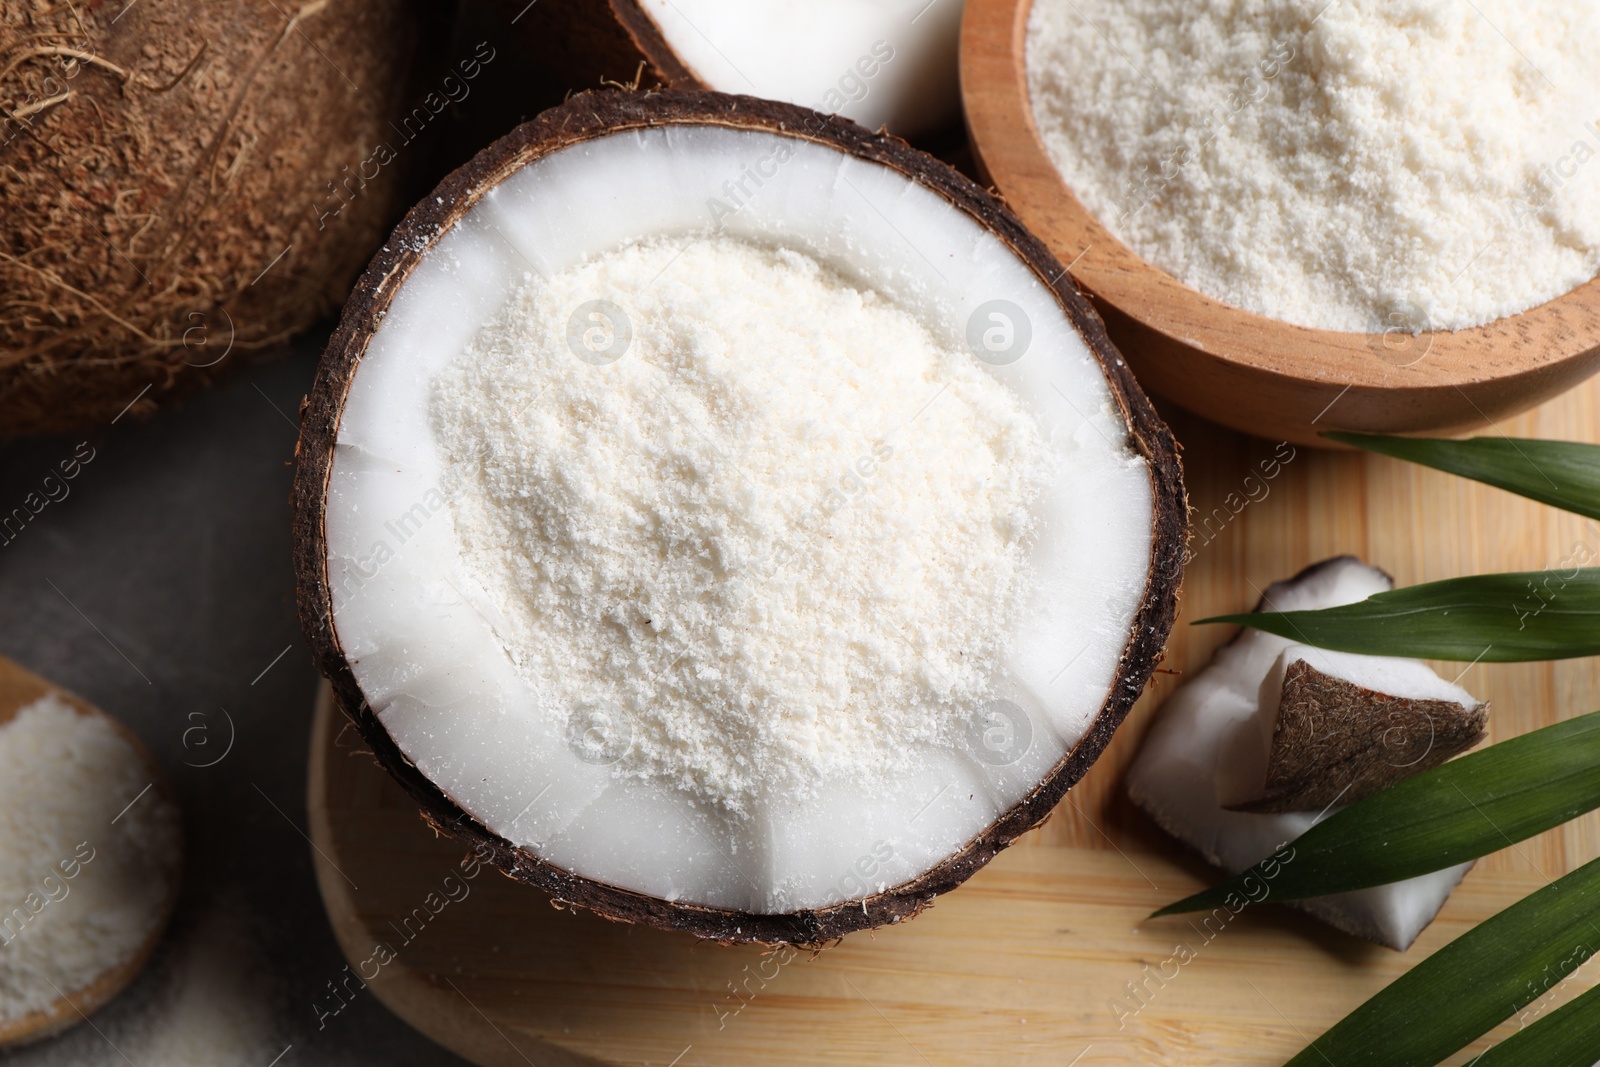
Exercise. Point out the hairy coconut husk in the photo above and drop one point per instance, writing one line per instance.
(593, 115)
(184, 183)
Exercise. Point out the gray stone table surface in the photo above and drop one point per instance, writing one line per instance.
(160, 588)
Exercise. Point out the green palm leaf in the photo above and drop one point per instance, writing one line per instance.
(1567, 1037)
(1497, 618)
(1472, 984)
(1564, 474)
(1475, 804)
(1467, 808)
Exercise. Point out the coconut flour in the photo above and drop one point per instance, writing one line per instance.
(208, 999)
(1344, 164)
(89, 854)
(768, 521)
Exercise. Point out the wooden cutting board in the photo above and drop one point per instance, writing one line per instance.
(1042, 958)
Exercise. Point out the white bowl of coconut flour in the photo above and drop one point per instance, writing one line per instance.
(1298, 217)
(734, 561)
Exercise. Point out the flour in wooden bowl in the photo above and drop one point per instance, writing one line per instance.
(1361, 165)
(90, 852)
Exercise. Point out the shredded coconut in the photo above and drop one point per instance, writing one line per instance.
(782, 535)
(88, 854)
(1357, 165)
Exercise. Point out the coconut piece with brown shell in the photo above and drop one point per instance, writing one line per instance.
(474, 419)
(1335, 727)
(184, 184)
(1248, 754)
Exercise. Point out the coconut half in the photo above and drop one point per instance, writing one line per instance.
(426, 657)
(1251, 752)
(884, 63)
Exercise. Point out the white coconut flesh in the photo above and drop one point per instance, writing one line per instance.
(879, 62)
(1243, 768)
(431, 648)
(1208, 747)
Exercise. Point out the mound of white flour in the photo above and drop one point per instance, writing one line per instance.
(1344, 164)
(782, 528)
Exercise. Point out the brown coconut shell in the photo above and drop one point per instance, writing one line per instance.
(1336, 742)
(184, 183)
(583, 44)
(593, 115)
(547, 51)
(562, 47)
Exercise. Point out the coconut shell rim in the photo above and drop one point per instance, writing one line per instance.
(651, 41)
(595, 114)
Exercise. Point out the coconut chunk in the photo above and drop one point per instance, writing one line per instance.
(1217, 744)
(1335, 727)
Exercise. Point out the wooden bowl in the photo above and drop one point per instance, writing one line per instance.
(20, 687)
(1244, 370)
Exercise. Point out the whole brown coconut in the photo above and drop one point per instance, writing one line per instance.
(592, 117)
(183, 183)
